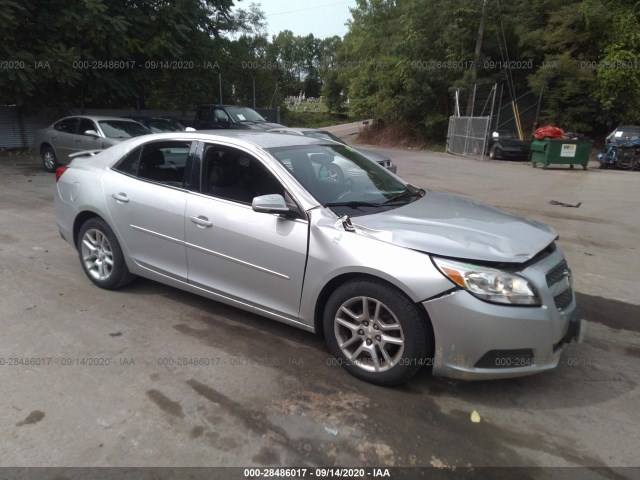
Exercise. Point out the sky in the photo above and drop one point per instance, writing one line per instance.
(323, 18)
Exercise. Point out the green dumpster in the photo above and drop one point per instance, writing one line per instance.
(562, 152)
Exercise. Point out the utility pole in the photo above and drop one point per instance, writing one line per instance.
(220, 85)
(476, 56)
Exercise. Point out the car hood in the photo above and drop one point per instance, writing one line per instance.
(454, 226)
(371, 155)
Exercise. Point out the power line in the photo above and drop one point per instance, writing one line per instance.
(308, 8)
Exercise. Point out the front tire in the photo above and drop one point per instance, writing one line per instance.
(49, 160)
(495, 153)
(101, 256)
(376, 332)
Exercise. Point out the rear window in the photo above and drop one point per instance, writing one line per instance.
(122, 129)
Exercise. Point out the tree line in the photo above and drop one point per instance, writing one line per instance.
(400, 61)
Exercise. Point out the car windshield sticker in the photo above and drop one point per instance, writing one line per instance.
(241, 117)
(618, 134)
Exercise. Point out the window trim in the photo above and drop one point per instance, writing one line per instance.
(188, 168)
(59, 122)
(199, 167)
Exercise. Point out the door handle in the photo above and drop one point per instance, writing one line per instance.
(201, 221)
(78, 141)
(53, 137)
(120, 197)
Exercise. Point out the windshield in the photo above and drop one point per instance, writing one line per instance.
(122, 129)
(243, 114)
(321, 134)
(624, 135)
(343, 180)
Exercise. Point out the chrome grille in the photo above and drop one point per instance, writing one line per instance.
(563, 299)
(558, 273)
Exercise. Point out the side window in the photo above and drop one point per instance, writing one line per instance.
(68, 125)
(234, 175)
(220, 115)
(161, 162)
(129, 164)
(86, 124)
(204, 113)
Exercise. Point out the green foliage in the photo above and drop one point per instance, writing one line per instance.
(407, 51)
(399, 63)
(312, 119)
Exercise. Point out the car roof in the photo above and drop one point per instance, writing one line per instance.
(97, 118)
(260, 139)
(222, 105)
(145, 118)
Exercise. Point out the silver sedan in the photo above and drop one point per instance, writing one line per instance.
(71, 135)
(395, 277)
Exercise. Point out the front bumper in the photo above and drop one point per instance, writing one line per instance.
(477, 340)
(515, 153)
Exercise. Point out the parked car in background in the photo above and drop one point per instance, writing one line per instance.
(70, 135)
(161, 125)
(377, 157)
(623, 134)
(505, 144)
(230, 116)
(396, 277)
(621, 149)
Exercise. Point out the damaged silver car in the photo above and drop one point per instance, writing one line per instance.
(397, 278)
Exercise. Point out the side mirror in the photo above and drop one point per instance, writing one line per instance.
(273, 203)
(91, 133)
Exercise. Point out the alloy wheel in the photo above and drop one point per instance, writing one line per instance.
(369, 334)
(97, 254)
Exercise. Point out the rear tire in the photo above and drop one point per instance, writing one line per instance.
(49, 160)
(101, 256)
(376, 332)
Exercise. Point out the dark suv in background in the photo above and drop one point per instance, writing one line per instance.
(230, 116)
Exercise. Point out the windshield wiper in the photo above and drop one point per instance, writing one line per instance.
(405, 195)
(352, 204)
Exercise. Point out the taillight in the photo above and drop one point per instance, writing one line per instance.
(60, 170)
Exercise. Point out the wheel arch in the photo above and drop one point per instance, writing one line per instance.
(44, 145)
(80, 219)
(335, 282)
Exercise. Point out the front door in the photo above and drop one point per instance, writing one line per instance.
(256, 258)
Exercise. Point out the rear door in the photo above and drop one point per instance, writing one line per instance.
(146, 194)
(255, 258)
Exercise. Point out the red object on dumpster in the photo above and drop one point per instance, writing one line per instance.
(548, 132)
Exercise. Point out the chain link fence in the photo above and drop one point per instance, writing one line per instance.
(468, 136)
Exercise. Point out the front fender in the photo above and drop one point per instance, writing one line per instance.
(333, 252)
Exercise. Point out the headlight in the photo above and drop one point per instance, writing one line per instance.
(489, 284)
